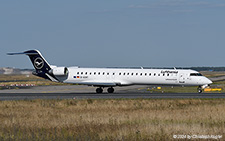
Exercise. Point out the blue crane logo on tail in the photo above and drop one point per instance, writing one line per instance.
(39, 63)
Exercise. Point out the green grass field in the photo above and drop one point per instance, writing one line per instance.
(139, 119)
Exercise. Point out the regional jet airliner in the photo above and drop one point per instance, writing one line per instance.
(112, 77)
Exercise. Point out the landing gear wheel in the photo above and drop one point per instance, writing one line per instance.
(199, 90)
(110, 90)
(99, 90)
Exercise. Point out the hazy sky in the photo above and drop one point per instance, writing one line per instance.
(114, 33)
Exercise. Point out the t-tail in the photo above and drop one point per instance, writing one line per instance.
(42, 67)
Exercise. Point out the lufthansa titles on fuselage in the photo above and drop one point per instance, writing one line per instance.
(169, 71)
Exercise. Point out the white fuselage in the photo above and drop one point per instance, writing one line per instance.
(111, 77)
(122, 77)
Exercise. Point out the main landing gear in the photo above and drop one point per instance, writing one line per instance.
(110, 90)
(100, 90)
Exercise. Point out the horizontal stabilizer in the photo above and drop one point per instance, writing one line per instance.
(23, 53)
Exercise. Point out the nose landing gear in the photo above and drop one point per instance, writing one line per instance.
(199, 90)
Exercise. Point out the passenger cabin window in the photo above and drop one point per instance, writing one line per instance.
(127, 73)
(149, 74)
(145, 74)
(195, 74)
(124, 73)
(107, 73)
(141, 74)
(94, 73)
(86, 73)
(113, 73)
(120, 73)
(90, 73)
(132, 73)
(81, 72)
(77, 72)
(154, 74)
(99, 73)
(136, 73)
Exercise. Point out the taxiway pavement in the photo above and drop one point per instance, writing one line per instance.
(30, 96)
(84, 92)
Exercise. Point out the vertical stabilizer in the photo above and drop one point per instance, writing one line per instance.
(41, 66)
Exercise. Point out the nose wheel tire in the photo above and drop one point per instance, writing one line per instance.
(199, 89)
(110, 90)
(99, 90)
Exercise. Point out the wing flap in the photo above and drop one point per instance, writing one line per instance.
(103, 84)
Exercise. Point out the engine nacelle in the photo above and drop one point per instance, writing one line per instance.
(59, 71)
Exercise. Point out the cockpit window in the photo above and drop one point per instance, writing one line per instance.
(195, 74)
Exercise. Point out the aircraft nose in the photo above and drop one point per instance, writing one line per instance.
(209, 81)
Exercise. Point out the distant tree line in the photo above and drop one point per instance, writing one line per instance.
(204, 68)
(194, 68)
(208, 68)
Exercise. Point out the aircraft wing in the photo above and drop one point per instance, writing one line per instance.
(102, 83)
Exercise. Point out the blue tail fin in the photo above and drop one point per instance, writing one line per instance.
(40, 64)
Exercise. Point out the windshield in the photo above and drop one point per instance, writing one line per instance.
(195, 74)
